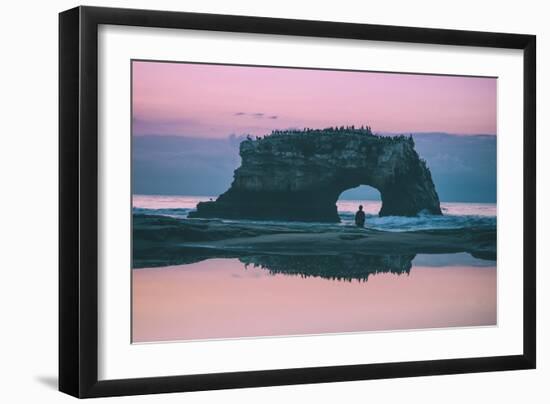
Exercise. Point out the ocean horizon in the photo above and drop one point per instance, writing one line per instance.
(455, 214)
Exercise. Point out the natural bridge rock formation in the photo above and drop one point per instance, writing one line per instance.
(299, 175)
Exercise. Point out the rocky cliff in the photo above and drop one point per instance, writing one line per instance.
(299, 175)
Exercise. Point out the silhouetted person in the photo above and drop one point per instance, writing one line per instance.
(360, 217)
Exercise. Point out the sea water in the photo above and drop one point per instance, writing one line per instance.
(224, 298)
(258, 297)
(455, 214)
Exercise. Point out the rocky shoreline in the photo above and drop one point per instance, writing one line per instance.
(161, 241)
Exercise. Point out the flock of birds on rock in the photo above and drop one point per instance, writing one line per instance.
(337, 130)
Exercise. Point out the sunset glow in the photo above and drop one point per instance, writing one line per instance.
(215, 100)
(221, 299)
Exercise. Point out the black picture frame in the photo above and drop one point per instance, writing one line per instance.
(78, 201)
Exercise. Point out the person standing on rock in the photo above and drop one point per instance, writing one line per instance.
(360, 217)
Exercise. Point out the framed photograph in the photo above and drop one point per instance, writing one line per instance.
(249, 201)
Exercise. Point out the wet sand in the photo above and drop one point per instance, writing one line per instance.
(160, 241)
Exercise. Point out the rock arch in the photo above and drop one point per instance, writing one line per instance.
(299, 175)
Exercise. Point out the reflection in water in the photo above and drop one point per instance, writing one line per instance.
(281, 295)
(336, 267)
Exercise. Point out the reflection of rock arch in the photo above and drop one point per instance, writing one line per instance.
(299, 175)
(341, 267)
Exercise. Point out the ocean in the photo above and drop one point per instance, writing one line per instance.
(456, 215)
(192, 282)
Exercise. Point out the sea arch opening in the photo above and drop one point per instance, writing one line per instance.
(349, 200)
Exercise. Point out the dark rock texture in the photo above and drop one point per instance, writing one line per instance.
(299, 175)
(160, 241)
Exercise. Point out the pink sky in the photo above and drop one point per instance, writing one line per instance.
(215, 101)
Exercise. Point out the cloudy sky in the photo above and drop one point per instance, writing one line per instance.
(214, 101)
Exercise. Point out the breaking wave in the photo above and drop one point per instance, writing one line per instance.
(386, 223)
